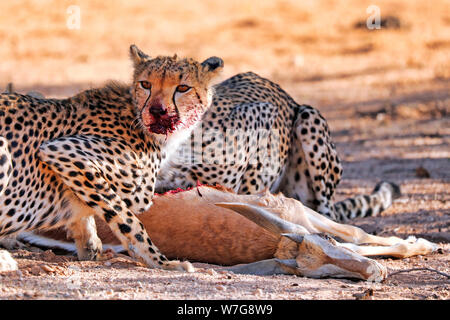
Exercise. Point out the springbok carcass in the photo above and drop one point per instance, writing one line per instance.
(257, 234)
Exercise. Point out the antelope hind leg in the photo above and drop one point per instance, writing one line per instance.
(390, 246)
(260, 268)
(403, 249)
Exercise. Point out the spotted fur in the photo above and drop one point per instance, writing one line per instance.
(64, 161)
(274, 143)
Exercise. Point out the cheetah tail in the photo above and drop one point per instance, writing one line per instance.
(368, 205)
(46, 242)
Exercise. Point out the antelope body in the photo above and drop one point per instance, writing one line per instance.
(257, 234)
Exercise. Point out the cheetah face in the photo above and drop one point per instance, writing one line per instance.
(171, 94)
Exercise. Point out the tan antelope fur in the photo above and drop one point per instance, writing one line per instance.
(258, 234)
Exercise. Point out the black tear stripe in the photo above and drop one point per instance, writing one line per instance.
(145, 105)
(175, 105)
(198, 97)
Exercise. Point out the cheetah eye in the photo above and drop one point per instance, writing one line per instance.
(183, 88)
(145, 85)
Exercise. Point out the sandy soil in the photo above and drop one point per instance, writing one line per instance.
(385, 94)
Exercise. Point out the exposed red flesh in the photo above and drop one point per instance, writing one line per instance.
(163, 124)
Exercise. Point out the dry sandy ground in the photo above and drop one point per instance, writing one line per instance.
(385, 94)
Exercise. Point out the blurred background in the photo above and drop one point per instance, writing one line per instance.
(384, 92)
(288, 41)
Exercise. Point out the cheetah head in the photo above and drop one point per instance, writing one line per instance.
(171, 94)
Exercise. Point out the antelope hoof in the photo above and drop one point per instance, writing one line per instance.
(428, 247)
(376, 271)
(183, 266)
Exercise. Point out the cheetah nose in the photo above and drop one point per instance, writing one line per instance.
(158, 110)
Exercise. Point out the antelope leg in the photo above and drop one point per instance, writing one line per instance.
(402, 249)
(394, 246)
(259, 268)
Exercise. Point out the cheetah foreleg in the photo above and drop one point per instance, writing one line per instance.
(90, 176)
(7, 263)
(84, 232)
(5, 165)
(5, 174)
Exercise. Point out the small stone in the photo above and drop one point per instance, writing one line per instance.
(223, 272)
(221, 288)
(211, 272)
(74, 267)
(365, 295)
(35, 270)
(77, 294)
(47, 268)
(7, 263)
(258, 292)
(48, 255)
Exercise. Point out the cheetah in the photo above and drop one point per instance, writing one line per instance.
(255, 136)
(62, 162)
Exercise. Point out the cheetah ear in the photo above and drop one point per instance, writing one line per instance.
(213, 66)
(137, 56)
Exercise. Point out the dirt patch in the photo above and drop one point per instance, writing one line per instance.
(385, 94)
(123, 278)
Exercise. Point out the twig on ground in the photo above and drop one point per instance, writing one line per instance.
(418, 269)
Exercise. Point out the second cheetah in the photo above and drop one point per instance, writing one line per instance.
(255, 136)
